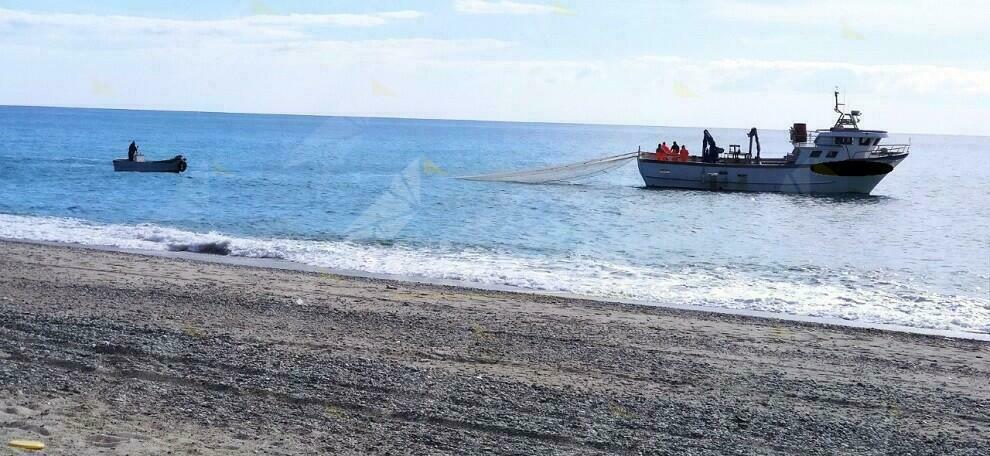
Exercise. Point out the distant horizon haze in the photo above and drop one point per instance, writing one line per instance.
(387, 117)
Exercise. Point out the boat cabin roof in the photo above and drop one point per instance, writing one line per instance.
(852, 132)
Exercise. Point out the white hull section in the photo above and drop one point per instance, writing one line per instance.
(786, 178)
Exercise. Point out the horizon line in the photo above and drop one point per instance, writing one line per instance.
(388, 117)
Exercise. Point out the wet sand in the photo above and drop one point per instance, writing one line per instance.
(114, 353)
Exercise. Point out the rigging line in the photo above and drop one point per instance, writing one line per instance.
(560, 173)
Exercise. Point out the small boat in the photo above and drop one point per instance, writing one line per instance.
(841, 159)
(175, 164)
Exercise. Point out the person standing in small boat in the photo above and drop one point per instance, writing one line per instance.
(132, 151)
(675, 150)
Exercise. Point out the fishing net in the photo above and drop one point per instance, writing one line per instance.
(560, 173)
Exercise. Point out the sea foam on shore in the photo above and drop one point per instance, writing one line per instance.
(875, 297)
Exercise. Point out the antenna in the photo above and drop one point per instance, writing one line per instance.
(845, 119)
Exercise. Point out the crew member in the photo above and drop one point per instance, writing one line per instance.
(685, 156)
(132, 151)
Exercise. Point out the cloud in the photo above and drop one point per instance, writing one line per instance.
(255, 27)
(505, 7)
(324, 20)
(674, 90)
(922, 79)
(405, 14)
(361, 52)
(803, 75)
(944, 17)
(282, 63)
(432, 79)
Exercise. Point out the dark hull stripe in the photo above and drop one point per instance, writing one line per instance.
(856, 168)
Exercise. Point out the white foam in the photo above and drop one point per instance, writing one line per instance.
(870, 297)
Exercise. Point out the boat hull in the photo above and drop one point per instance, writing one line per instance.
(846, 176)
(175, 165)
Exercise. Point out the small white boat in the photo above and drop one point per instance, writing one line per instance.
(842, 159)
(175, 164)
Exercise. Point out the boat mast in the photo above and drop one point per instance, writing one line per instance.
(837, 104)
(844, 119)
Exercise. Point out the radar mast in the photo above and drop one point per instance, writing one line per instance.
(846, 120)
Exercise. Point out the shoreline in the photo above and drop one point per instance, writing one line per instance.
(287, 265)
(105, 351)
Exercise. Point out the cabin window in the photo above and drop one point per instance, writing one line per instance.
(816, 153)
(865, 141)
(832, 154)
(841, 140)
(876, 141)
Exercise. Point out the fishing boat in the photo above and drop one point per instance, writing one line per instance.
(175, 164)
(841, 159)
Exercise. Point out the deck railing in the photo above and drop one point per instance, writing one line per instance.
(883, 150)
(879, 151)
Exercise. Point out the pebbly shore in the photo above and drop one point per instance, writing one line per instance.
(114, 353)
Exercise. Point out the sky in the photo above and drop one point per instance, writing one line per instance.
(910, 66)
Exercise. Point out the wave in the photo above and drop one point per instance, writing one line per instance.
(212, 248)
(864, 296)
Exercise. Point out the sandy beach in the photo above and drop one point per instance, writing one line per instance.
(114, 353)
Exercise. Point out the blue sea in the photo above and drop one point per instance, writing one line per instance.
(381, 196)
